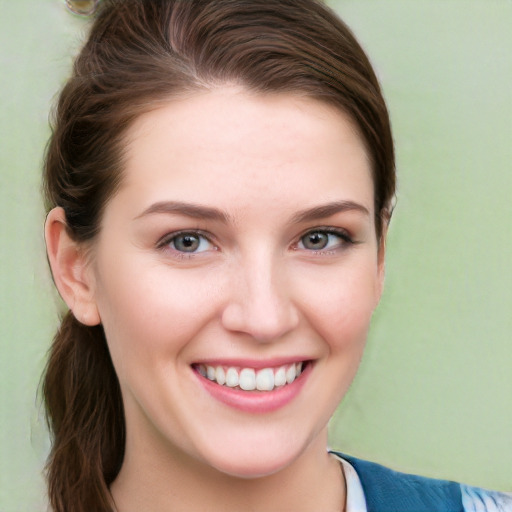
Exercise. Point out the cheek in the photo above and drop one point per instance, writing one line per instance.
(153, 313)
(341, 306)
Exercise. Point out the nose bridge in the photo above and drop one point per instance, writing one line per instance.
(260, 300)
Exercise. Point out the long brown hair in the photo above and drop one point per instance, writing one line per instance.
(140, 53)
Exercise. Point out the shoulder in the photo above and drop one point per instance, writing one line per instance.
(387, 490)
(482, 500)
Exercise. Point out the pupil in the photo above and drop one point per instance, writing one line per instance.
(316, 240)
(187, 243)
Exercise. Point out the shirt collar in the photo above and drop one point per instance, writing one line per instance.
(355, 500)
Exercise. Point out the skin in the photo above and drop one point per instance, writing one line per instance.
(254, 289)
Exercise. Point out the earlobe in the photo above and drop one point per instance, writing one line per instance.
(71, 272)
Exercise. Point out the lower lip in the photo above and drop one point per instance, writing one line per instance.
(256, 402)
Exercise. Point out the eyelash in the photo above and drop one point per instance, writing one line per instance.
(344, 240)
(165, 242)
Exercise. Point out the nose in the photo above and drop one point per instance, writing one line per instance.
(260, 301)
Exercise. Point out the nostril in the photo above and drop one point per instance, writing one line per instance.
(259, 305)
(264, 324)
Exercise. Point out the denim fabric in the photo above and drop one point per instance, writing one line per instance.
(386, 490)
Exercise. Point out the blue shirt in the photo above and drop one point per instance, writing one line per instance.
(374, 488)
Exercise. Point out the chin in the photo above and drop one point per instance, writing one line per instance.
(251, 468)
(251, 461)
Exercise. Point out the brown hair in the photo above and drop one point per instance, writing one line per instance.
(140, 53)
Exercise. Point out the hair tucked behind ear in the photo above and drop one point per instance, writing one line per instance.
(82, 392)
(139, 54)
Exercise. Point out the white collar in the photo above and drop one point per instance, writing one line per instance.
(355, 496)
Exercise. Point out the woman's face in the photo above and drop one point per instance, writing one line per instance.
(241, 248)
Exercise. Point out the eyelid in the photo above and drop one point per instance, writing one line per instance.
(165, 240)
(343, 234)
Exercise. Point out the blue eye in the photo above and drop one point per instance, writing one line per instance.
(188, 242)
(322, 240)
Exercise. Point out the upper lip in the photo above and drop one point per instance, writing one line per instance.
(253, 363)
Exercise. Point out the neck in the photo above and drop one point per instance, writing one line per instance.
(159, 482)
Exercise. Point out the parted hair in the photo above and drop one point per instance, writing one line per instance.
(138, 55)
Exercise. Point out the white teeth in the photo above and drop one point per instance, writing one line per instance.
(291, 374)
(247, 379)
(250, 379)
(280, 377)
(265, 379)
(231, 377)
(220, 375)
(210, 372)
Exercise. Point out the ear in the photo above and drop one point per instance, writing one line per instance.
(381, 263)
(71, 272)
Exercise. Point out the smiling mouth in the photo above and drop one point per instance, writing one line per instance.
(252, 379)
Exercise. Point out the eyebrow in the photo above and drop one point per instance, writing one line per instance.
(327, 210)
(194, 211)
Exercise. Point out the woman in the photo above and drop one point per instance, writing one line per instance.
(219, 184)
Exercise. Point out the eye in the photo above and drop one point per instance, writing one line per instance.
(187, 242)
(323, 240)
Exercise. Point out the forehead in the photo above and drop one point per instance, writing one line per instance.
(232, 146)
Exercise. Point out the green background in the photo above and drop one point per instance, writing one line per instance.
(434, 392)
